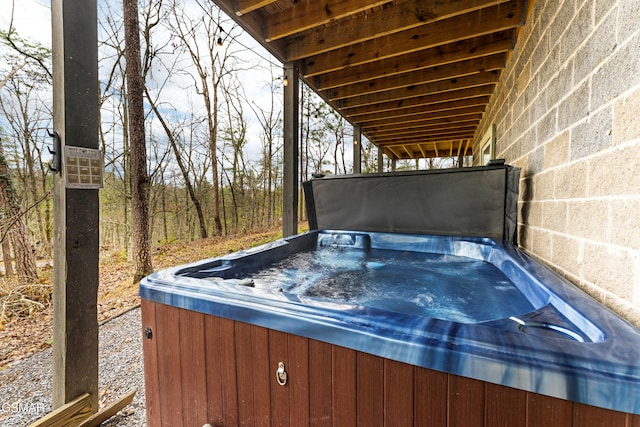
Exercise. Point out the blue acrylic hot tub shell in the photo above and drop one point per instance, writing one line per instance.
(535, 351)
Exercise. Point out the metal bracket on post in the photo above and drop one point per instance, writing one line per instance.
(56, 162)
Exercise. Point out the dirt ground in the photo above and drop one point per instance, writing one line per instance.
(117, 293)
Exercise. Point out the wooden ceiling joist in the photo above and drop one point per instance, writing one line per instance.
(420, 101)
(380, 23)
(419, 90)
(419, 111)
(438, 56)
(482, 22)
(414, 73)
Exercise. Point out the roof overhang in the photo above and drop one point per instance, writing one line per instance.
(416, 75)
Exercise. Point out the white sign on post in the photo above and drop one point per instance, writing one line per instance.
(83, 167)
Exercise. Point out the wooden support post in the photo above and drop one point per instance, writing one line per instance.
(357, 150)
(380, 160)
(291, 120)
(76, 222)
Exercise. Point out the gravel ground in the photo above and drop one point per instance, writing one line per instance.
(25, 387)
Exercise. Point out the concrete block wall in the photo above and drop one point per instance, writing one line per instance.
(567, 111)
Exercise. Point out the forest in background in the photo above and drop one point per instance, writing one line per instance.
(213, 122)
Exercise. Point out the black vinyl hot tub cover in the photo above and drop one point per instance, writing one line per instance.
(479, 201)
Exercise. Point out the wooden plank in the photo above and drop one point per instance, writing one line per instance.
(430, 393)
(381, 137)
(108, 411)
(634, 420)
(547, 411)
(214, 365)
(262, 376)
(193, 370)
(78, 409)
(150, 351)
(245, 374)
(421, 101)
(398, 394)
(76, 239)
(423, 76)
(280, 394)
(414, 111)
(590, 416)
(227, 373)
(486, 21)
(307, 14)
(298, 377)
(466, 401)
(396, 121)
(478, 47)
(344, 386)
(370, 386)
(382, 22)
(246, 6)
(403, 94)
(505, 406)
(169, 381)
(320, 387)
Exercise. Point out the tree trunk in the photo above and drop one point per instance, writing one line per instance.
(138, 153)
(183, 169)
(6, 257)
(19, 234)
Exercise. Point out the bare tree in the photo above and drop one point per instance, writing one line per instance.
(16, 227)
(139, 175)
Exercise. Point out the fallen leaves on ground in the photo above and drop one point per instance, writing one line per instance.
(117, 293)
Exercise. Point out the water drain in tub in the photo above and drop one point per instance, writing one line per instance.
(533, 327)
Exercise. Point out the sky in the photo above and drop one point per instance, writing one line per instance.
(32, 20)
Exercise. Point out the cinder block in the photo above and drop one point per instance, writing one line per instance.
(589, 219)
(567, 254)
(615, 172)
(619, 73)
(554, 216)
(628, 23)
(556, 151)
(542, 244)
(625, 226)
(592, 135)
(626, 118)
(571, 181)
(600, 45)
(610, 268)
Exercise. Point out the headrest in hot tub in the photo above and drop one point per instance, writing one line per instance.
(479, 201)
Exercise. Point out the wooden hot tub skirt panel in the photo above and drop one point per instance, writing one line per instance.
(205, 369)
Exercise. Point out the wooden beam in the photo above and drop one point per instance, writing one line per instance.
(308, 14)
(396, 121)
(417, 133)
(433, 57)
(71, 413)
(491, 20)
(424, 128)
(290, 185)
(109, 411)
(415, 111)
(382, 22)
(76, 211)
(420, 101)
(246, 6)
(410, 92)
(428, 139)
(428, 75)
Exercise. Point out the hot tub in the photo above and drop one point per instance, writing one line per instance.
(362, 326)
